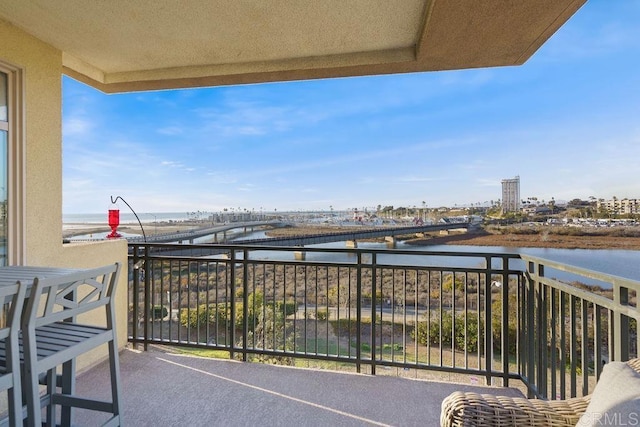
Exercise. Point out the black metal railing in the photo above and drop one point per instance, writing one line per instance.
(498, 316)
(570, 330)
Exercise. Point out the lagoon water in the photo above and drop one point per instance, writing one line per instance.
(622, 263)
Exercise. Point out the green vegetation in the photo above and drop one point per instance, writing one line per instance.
(427, 333)
(568, 231)
(322, 346)
(322, 314)
(203, 352)
(158, 312)
(269, 333)
(220, 313)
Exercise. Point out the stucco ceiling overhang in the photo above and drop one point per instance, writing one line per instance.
(130, 45)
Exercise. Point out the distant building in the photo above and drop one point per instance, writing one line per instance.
(619, 206)
(511, 195)
(536, 210)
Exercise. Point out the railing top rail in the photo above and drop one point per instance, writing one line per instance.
(603, 277)
(253, 248)
(592, 297)
(203, 231)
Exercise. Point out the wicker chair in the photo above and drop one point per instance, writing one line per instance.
(473, 409)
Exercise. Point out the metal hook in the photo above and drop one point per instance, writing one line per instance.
(134, 212)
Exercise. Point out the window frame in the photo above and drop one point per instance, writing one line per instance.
(15, 128)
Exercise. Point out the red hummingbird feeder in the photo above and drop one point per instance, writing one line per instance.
(114, 222)
(114, 218)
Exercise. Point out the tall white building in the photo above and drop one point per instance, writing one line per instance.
(511, 195)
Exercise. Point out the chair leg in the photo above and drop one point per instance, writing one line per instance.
(51, 389)
(114, 368)
(32, 394)
(15, 393)
(15, 400)
(68, 387)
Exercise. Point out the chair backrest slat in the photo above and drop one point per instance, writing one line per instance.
(61, 293)
(11, 299)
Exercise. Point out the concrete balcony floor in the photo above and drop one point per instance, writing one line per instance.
(168, 389)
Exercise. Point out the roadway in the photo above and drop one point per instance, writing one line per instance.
(190, 235)
(358, 233)
(351, 235)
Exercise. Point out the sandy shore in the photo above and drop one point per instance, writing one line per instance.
(534, 241)
(482, 238)
(78, 229)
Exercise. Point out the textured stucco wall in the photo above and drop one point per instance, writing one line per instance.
(42, 67)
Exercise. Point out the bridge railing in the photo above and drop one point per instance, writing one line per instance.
(474, 315)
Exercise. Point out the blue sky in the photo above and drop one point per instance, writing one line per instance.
(566, 122)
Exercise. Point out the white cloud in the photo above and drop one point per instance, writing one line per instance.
(171, 164)
(77, 126)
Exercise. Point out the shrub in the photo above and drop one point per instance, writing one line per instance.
(287, 308)
(221, 313)
(429, 332)
(496, 310)
(394, 347)
(194, 317)
(449, 280)
(158, 312)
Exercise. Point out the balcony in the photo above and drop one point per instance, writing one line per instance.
(471, 319)
(165, 388)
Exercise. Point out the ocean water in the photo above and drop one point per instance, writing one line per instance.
(125, 217)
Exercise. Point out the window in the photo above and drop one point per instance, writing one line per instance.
(12, 246)
(4, 131)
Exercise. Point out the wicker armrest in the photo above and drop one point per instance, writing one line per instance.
(472, 409)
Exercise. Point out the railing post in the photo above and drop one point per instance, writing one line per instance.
(488, 339)
(584, 317)
(531, 339)
(374, 300)
(245, 304)
(620, 325)
(541, 334)
(573, 344)
(563, 342)
(504, 318)
(147, 298)
(358, 311)
(543, 341)
(597, 340)
(553, 345)
(232, 287)
(521, 324)
(136, 295)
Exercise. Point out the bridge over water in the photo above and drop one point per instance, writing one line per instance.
(190, 235)
(350, 236)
